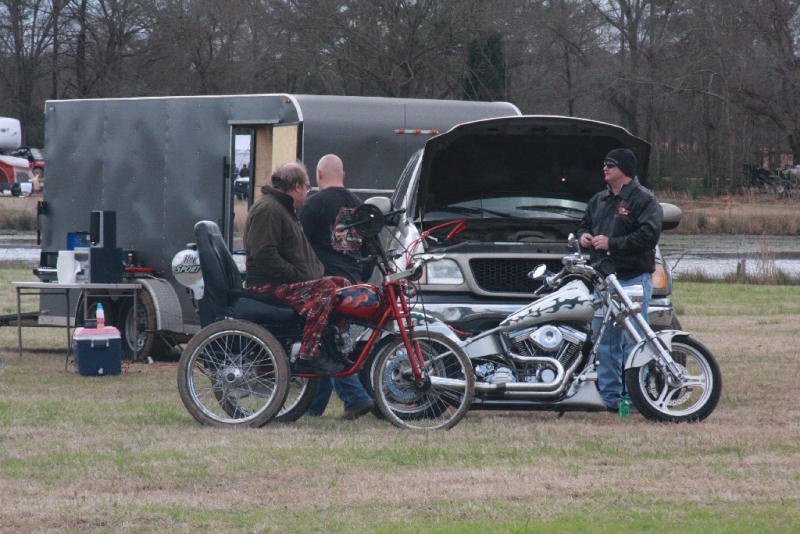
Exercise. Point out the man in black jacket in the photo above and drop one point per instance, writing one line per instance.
(323, 215)
(624, 223)
(281, 262)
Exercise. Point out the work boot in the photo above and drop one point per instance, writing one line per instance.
(362, 409)
(321, 366)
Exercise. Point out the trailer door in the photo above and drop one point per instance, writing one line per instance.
(269, 146)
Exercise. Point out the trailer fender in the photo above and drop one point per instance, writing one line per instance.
(169, 315)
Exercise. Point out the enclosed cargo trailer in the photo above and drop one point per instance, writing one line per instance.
(162, 164)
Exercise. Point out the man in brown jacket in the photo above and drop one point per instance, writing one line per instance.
(280, 261)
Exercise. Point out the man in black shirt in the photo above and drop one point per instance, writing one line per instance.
(622, 222)
(322, 216)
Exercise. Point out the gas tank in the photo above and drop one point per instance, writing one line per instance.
(572, 303)
(361, 300)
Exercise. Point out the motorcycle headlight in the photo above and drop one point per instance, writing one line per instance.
(442, 272)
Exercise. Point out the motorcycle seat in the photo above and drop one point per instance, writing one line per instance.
(223, 295)
(261, 308)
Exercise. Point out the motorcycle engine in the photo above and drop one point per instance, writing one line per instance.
(561, 343)
(494, 373)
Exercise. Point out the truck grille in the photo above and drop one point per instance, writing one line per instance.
(508, 276)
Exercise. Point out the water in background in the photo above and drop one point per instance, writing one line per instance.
(19, 246)
(720, 255)
(713, 255)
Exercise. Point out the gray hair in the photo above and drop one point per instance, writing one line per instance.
(286, 177)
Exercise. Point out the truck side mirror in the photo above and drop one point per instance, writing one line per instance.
(672, 216)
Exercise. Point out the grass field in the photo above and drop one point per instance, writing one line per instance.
(121, 454)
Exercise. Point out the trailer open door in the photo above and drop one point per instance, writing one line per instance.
(271, 145)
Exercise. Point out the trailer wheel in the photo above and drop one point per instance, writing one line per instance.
(139, 339)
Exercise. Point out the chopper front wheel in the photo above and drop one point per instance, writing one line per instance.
(441, 400)
(692, 400)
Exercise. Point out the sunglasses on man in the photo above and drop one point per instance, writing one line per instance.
(610, 163)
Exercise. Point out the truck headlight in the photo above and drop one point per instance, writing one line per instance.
(659, 278)
(442, 272)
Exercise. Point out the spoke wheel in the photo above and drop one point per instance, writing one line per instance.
(368, 370)
(233, 374)
(301, 394)
(692, 400)
(428, 405)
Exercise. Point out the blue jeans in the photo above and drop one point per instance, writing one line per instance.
(615, 346)
(348, 389)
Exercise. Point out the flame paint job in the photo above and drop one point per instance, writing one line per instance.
(573, 302)
(360, 300)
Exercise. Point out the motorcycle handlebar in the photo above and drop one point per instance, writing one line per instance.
(368, 221)
(394, 212)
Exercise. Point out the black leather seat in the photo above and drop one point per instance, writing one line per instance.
(223, 295)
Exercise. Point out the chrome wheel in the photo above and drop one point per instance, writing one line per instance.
(693, 399)
(440, 400)
(233, 373)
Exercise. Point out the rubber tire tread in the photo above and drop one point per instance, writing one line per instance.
(153, 345)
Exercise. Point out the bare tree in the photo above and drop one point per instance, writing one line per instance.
(710, 83)
(772, 88)
(398, 48)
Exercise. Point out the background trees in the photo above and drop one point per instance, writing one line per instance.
(713, 84)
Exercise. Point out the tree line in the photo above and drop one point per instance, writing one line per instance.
(713, 84)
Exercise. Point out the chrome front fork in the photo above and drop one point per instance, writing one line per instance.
(628, 315)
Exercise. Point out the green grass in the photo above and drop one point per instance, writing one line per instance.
(121, 453)
(731, 300)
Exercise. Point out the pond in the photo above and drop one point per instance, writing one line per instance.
(19, 246)
(720, 255)
(713, 255)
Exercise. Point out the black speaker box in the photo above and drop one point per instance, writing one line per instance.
(103, 229)
(105, 265)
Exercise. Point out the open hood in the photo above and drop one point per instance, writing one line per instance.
(526, 156)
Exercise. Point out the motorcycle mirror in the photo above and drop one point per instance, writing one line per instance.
(368, 219)
(538, 272)
(391, 216)
(571, 240)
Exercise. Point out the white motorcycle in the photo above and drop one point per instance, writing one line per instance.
(542, 356)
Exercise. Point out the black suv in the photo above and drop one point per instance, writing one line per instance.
(520, 184)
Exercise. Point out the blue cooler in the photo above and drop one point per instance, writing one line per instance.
(98, 351)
